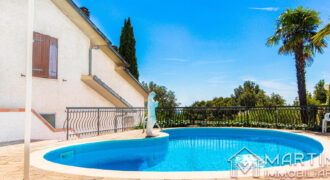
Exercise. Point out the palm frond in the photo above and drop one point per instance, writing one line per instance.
(325, 31)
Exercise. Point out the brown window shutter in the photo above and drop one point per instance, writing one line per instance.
(45, 57)
(37, 56)
(40, 63)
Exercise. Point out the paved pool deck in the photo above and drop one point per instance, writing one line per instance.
(11, 157)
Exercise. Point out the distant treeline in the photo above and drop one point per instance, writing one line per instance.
(248, 94)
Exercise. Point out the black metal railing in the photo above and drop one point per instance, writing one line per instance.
(289, 117)
(91, 121)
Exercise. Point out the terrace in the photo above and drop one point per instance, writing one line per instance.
(98, 124)
(11, 164)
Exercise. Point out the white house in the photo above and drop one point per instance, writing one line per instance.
(74, 64)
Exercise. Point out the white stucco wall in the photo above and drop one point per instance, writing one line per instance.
(104, 68)
(53, 95)
(14, 130)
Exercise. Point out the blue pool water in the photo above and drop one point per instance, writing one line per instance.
(190, 149)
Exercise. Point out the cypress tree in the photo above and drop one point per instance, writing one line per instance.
(127, 47)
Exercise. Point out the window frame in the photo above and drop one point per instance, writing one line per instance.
(41, 64)
(48, 114)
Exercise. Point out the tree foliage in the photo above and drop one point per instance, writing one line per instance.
(320, 93)
(295, 29)
(319, 96)
(166, 98)
(311, 101)
(127, 47)
(276, 100)
(249, 94)
(216, 102)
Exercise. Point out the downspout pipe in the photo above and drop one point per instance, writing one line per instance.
(90, 61)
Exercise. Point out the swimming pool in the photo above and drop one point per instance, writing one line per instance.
(189, 149)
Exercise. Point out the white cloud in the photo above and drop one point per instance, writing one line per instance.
(216, 80)
(169, 73)
(325, 75)
(266, 8)
(213, 62)
(180, 45)
(247, 78)
(175, 59)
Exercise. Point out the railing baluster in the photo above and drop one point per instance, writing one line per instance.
(67, 124)
(276, 117)
(98, 121)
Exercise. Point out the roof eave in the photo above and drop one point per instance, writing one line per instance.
(82, 14)
(129, 73)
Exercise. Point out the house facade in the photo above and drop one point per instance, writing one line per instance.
(74, 63)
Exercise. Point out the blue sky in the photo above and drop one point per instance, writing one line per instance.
(206, 48)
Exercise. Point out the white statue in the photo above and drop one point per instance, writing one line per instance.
(152, 105)
(325, 122)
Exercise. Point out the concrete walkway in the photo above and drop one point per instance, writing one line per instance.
(11, 157)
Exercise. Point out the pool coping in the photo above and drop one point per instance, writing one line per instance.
(38, 161)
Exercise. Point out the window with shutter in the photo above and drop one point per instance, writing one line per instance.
(53, 58)
(45, 56)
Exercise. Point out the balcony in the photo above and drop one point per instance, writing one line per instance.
(104, 90)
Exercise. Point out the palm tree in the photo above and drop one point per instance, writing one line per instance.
(325, 31)
(295, 29)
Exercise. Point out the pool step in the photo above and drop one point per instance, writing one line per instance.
(67, 154)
